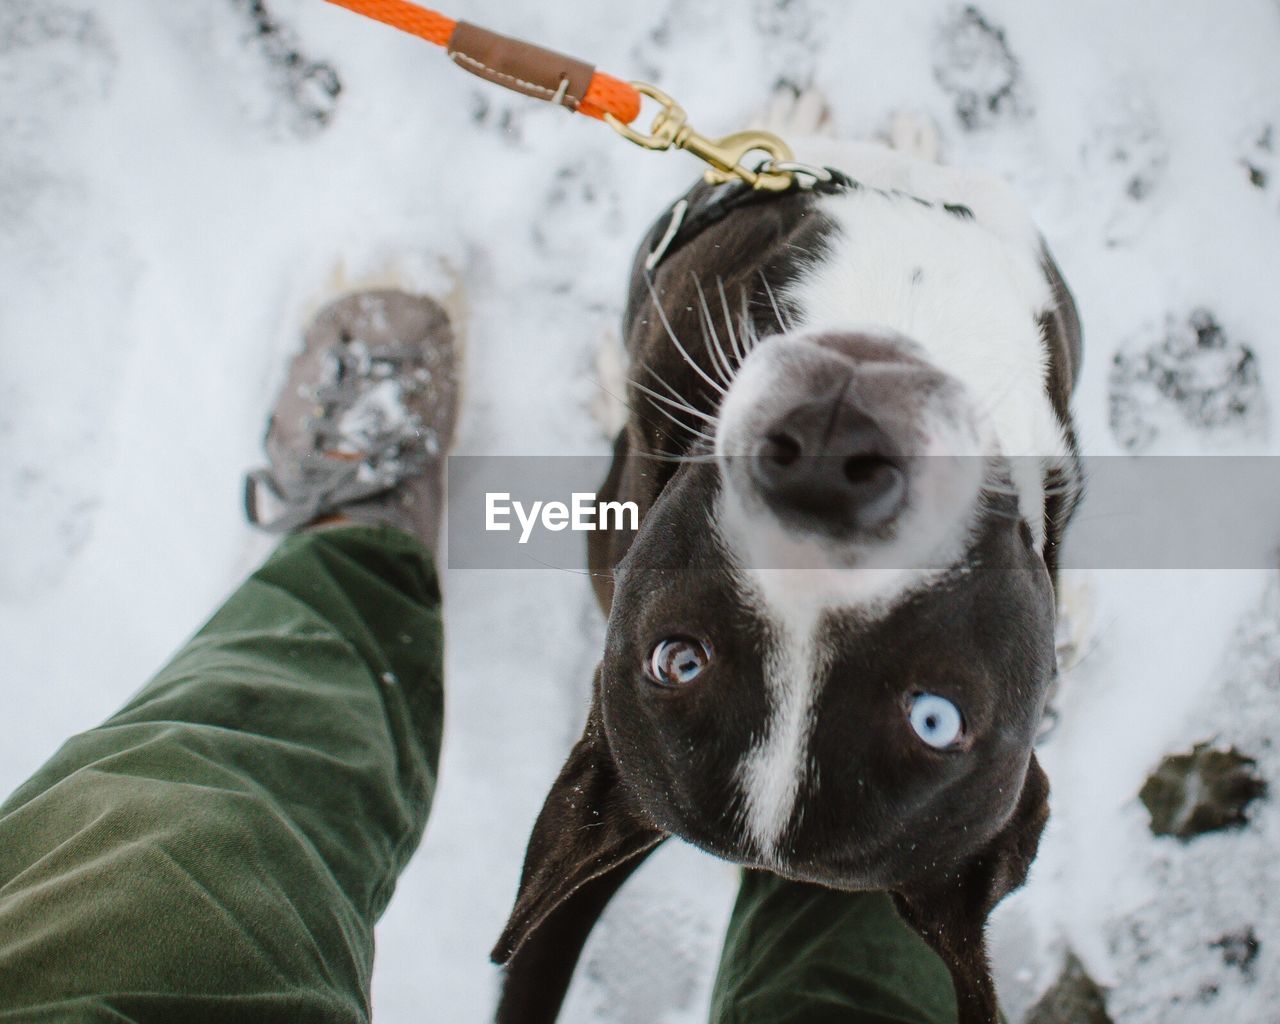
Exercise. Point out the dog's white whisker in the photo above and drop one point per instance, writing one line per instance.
(711, 400)
(728, 320)
(666, 324)
(724, 376)
(753, 336)
(564, 568)
(708, 328)
(724, 369)
(725, 360)
(680, 423)
(653, 396)
(658, 378)
(676, 403)
(665, 457)
(746, 324)
(636, 412)
(711, 353)
(783, 322)
(734, 357)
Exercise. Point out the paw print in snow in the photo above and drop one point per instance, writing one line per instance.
(309, 89)
(1127, 156)
(1261, 159)
(53, 59)
(1194, 376)
(784, 19)
(973, 63)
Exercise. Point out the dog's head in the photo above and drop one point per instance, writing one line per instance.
(828, 650)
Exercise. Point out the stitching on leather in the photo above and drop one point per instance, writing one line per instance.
(541, 90)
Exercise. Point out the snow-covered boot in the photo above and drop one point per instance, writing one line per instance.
(365, 419)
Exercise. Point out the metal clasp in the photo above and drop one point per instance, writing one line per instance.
(671, 128)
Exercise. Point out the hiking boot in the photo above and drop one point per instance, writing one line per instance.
(367, 414)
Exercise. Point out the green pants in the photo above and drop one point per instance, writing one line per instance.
(220, 849)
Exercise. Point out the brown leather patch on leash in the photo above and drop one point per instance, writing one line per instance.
(520, 66)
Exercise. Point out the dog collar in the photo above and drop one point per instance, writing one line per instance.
(691, 215)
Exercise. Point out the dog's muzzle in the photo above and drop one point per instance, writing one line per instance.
(828, 459)
(846, 438)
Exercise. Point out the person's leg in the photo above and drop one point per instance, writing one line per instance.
(802, 954)
(221, 848)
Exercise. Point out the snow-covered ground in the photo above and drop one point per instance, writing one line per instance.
(182, 184)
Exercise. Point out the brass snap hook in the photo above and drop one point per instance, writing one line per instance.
(725, 156)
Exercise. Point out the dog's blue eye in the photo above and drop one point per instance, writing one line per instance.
(678, 661)
(936, 720)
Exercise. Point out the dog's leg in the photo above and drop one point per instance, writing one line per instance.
(914, 134)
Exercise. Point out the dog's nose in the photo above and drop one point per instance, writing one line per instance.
(828, 460)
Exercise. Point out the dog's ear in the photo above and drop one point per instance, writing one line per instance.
(587, 841)
(951, 912)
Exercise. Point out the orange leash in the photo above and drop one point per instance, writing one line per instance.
(603, 95)
(547, 75)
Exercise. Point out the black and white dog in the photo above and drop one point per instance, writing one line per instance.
(831, 639)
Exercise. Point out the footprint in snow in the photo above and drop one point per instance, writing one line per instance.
(1192, 375)
(1127, 158)
(973, 63)
(306, 91)
(1261, 159)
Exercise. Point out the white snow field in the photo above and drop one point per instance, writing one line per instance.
(177, 196)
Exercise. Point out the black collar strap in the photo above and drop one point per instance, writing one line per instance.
(702, 208)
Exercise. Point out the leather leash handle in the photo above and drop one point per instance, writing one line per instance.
(519, 66)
